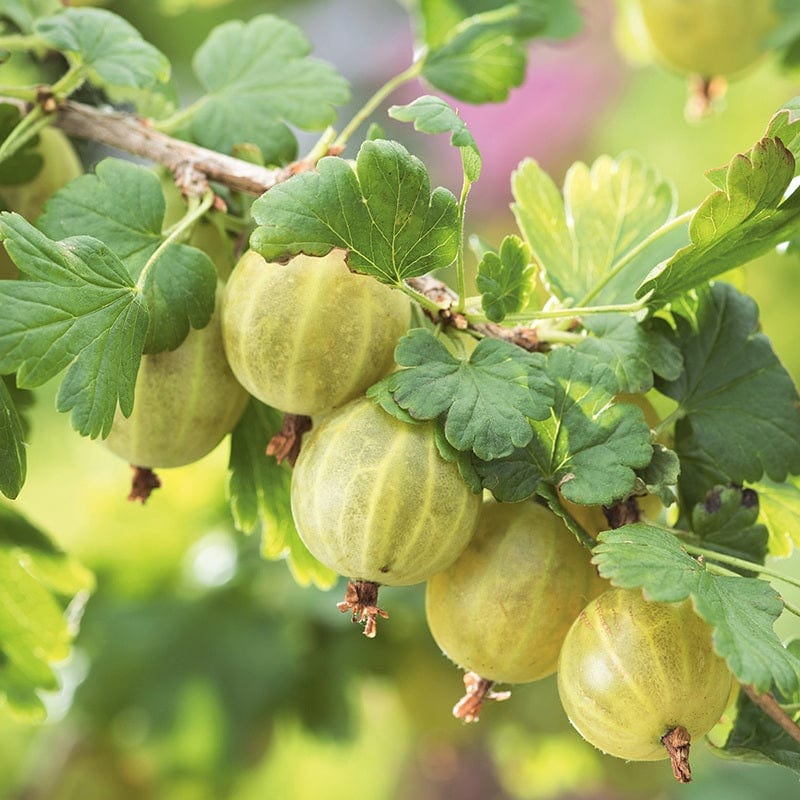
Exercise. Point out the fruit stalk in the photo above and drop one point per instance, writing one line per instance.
(770, 706)
(361, 599)
(677, 742)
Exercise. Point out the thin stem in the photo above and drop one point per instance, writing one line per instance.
(376, 99)
(68, 82)
(423, 300)
(462, 207)
(18, 43)
(770, 706)
(741, 563)
(548, 493)
(23, 132)
(632, 254)
(577, 311)
(665, 423)
(175, 234)
(180, 117)
(26, 93)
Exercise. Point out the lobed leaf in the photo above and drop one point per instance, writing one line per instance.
(739, 405)
(596, 244)
(661, 474)
(733, 225)
(123, 205)
(434, 115)
(484, 56)
(35, 579)
(779, 505)
(383, 213)
(741, 610)
(258, 491)
(633, 351)
(589, 447)
(505, 279)
(24, 13)
(109, 49)
(79, 311)
(13, 461)
(258, 77)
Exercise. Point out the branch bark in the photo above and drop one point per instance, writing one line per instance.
(770, 706)
(135, 135)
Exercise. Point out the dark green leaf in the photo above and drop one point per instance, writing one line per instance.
(589, 447)
(739, 405)
(122, 204)
(27, 162)
(34, 632)
(726, 522)
(633, 351)
(258, 77)
(661, 474)
(383, 213)
(13, 464)
(741, 610)
(80, 311)
(597, 243)
(484, 56)
(434, 115)
(110, 50)
(505, 279)
(733, 225)
(258, 490)
(486, 403)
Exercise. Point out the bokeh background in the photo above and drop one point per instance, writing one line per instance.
(203, 672)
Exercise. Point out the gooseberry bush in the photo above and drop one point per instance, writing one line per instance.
(503, 444)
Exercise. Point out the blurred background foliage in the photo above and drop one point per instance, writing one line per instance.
(203, 672)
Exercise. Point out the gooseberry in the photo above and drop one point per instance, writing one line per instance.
(632, 672)
(307, 336)
(373, 500)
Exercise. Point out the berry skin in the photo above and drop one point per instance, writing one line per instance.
(630, 671)
(307, 336)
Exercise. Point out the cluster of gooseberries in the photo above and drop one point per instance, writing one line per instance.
(511, 595)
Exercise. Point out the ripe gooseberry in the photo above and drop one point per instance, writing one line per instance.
(708, 37)
(503, 608)
(631, 672)
(373, 500)
(185, 401)
(307, 336)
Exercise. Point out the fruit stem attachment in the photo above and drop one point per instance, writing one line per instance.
(361, 598)
(285, 444)
(677, 742)
(770, 706)
(143, 484)
(479, 690)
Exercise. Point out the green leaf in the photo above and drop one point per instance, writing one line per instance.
(597, 243)
(661, 474)
(633, 351)
(383, 213)
(35, 578)
(484, 56)
(589, 447)
(13, 462)
(258, 77)
(505, 279)
(258, 491)
(485, 404)
(726, 522)
(785, 125)
(123, 205)
(79, 311)
(733, 225)
(109, 49)
(780, 512)
(741, 610)
(758, 738)
(24, 13)
(434, 115)
(739, 405)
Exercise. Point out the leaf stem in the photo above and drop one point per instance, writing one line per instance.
(423, 300)
(549, 493)
(376, 99)
(462, 207)
(577, 311)
(770, 706)
(177, 120)
(176, 232)
(20, 43)
(68, 82)
(671, 418)
(26, 93)
(635, 251)
(741, 563)
(23, 132)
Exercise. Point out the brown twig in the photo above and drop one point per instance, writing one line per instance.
(479, 691)
(770, 706)
(143, 483)
(360, 599)
(285, 444)
(135, 135)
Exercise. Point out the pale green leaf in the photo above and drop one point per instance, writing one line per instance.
(780, 513)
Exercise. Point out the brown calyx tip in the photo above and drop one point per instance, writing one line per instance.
(677, 742)
(479, 690)
(704, 95)
(285, 444)
(623, 512)
(361, 599)
(143, 484)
